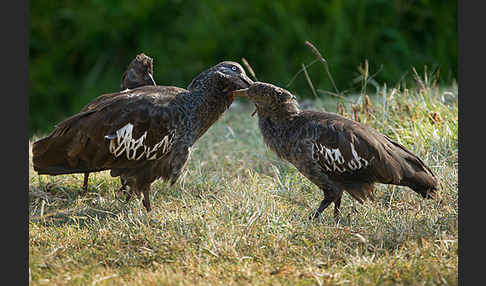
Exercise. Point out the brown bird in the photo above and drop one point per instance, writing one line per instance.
(335, 153)
(143, 134)
(139, 73)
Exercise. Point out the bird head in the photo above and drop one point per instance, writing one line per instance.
(269, 99)
(139, 73)
(222, 78)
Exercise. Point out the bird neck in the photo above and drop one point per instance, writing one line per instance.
(204, 109)
(278, 133)
(216, 102)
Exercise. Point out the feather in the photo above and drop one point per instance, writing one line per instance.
(335, 153)
(142, 134)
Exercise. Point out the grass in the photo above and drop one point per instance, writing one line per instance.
(239, 214)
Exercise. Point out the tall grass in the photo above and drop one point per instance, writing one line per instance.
(239, 214)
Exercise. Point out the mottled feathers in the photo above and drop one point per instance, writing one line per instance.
(141, 134)
(335, 153)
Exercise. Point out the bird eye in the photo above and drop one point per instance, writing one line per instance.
(234, 68)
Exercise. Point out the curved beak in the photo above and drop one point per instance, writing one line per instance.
(243, 93)
(240, 92)
(245, 81)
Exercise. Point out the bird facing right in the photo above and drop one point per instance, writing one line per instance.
(143, 134)
(139, 73)
(335, 153)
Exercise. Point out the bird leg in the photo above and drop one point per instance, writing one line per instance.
(132, 188)
(146, 199)
(122, 188)
(337, 212)
(324, 204)
(124, 185)
(129, 196)
(329, 197)
(333, 191)
(85, 183)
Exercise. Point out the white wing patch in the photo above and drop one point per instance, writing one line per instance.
(333, 161)
(123, 143)
(132, 94)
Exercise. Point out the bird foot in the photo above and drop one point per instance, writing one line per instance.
(146, 200)
(337, 216)
(314, 216)
(337, 220)
(122, 190)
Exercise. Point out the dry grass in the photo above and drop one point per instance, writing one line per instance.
(239, 215)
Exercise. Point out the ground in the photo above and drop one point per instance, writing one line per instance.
(239, 215)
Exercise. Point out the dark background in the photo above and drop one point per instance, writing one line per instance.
(78, 50)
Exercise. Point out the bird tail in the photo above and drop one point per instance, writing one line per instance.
(55, 155)
(416, 174)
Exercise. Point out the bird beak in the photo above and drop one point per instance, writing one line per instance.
(240, 92)
(243, 93)
(152, 79)
(246, 81)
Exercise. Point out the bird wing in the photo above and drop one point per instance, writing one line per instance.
(109, 98)
(344, 146)
(100, 99)
(120, 130)
(350, 150)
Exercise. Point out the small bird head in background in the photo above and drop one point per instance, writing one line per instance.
(139, 73)
(224, 77)
(269, 99)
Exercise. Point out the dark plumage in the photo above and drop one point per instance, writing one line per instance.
(335, 153)
(139, 73)
(143, 134)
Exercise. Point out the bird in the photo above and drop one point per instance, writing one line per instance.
(142, 134)
(138, 73)
(335, 153)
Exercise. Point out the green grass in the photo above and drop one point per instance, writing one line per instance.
(239, 214)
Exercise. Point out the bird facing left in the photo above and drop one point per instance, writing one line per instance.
(335, 153)
(142, 134)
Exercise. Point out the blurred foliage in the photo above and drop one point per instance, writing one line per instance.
(79, 49)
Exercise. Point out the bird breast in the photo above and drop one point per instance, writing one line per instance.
(289, 140)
